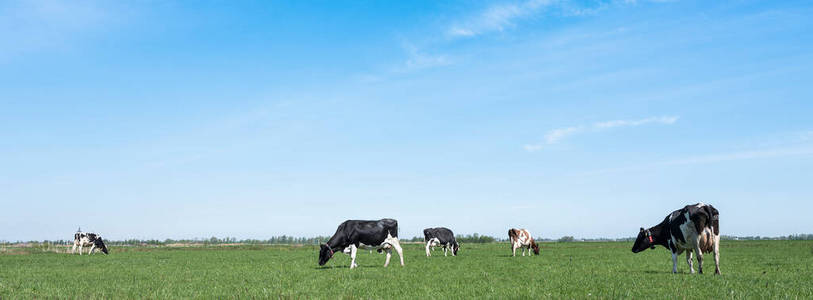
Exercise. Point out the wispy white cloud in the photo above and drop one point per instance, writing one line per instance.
(499, 17)
(556, 135)
(496, 18)
(620, 123)
(417, 59)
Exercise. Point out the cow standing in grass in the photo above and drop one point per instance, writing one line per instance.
(521, 238)
(692, 228)
(82, 239)
(440, 236)
(382, 234)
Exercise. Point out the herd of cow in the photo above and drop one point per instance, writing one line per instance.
(693, 228)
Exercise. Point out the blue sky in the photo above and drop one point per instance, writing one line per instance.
(165, 119)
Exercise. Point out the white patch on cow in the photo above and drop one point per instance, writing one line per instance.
(431, 243)
(389, 243)
(353, 251)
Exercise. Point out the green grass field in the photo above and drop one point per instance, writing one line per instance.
(754, 269)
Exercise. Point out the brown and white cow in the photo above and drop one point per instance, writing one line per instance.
(521, 238)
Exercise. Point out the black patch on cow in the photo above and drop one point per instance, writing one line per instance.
(674, 224)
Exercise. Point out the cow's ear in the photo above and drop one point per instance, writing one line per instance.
(642, 229)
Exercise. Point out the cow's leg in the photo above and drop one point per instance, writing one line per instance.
(353, 250)
(717, 255)
(400, 251)
(699, 259)
(80, 249)
(73, 250)
(689, 261)
(513, 249)
(428, 244)
(674, 262)
(445, 250)
(92, 248)
(389, 254)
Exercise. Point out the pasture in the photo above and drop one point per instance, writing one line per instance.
(751, 269)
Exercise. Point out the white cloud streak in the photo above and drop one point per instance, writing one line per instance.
(496, 18)
(418, 60)
(556, 135)
(620, 123)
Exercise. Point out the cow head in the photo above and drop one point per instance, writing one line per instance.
(535, 247)
(455, 247)
(325, 253)
(643, 241)
(99, 243)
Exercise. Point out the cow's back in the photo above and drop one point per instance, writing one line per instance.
(390, 225)
(698, 223)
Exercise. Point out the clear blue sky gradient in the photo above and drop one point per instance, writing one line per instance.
(165, 119)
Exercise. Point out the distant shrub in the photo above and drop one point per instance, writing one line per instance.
(475, 238)
(566, 239)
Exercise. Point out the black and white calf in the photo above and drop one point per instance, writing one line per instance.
(382, 234)
(82, 239)
(692, 228)
(440, 236)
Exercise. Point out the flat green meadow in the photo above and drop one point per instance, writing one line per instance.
(751, 269)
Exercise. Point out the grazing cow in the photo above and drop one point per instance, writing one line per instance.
(692, 228)
(82, 239)
(382, 234)
(440, 236)
(521, 238)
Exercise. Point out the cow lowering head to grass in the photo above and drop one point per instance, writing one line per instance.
(382, 234)
(83, 239)
(440, 236)
(521, 238)
(691, 228)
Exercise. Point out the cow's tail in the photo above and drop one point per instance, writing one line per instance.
(714, 219)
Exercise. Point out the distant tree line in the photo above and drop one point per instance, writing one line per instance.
(792, 237)
(292, 240)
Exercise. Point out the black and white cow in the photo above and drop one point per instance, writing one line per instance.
(382, 234)
(82, 239)
(440, 236)
(692, 228)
